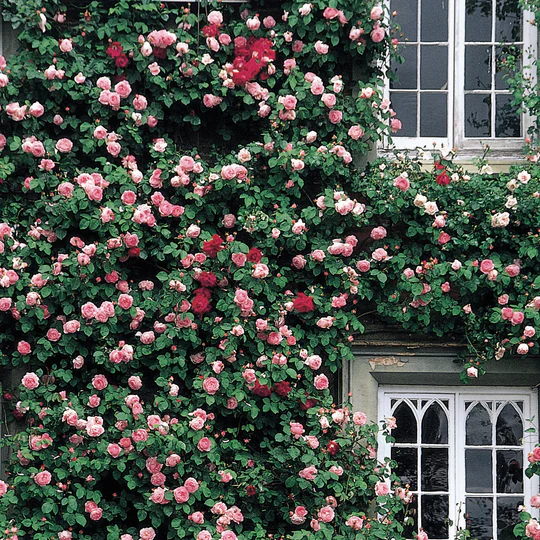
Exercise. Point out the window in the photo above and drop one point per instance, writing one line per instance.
(450, 89)
(462, 451)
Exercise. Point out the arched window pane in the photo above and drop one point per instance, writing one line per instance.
(435, 425)
(405, 432)
(509, 427)
(478, 428)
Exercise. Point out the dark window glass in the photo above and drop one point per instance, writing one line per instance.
(434, 23)
(507, 119)
(405, 432)
(509, 471)
(477, 67)
(407, 468)
(435, 510)
(405, 74)
(480, 513)
(434, 67)
(407, 18)
(435, 425)
(405, 105)
(509, 424)
(477, 124)
(434, 466)
(478, 20)
(433, 115)
(478, 427)
(478, 471)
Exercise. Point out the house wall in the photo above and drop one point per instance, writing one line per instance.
(421, 364)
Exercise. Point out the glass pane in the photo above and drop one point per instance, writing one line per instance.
(434, 67)
(406, 72)
(478, 423)
(509, 471)
(503, 54)
(509, 424)
(434, 23)
(407, 17)
(404, 103)
(507, 20)
(477, 124)
(507, 516)
(477, 67)
(435, 515)
(405, 432)
(507, 121)
(434, 463)
(480, 512)
(409, 529)
(478, 471)
(407, 469)
(477, 20)
(433, 115)
(435, 425)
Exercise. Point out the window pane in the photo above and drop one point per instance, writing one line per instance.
(507, 516)
(509, 471)
(507, 118)
(433, 115)
(435, 425)
(503, 53)
(434, 67)
(434, 466)
(477, 20)
(405, 432)
(480, 512)
(509, 424)
(477, 124)
(404, 103)
(407, 17)
(407, 469)
(477, 67)
(478, 471)
(508, 21)
(434, 23)
(435, 515)
(406, 73)
(478, 429)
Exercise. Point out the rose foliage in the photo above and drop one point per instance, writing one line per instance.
(186, 254)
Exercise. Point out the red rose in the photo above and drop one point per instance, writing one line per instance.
(204, 292)
(303, 303)
(333, 448)
(211, 30)
(282, 388)
(200, 305)
(261, 390)
(213, 246)
(251, 491)
(207, 279)
(254, 255)
(114, 50)
(121, 61)
(442, 179)
(159, 52)
(310, 403)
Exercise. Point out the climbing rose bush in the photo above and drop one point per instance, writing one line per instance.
(166, 296)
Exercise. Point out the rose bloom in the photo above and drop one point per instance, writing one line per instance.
(321, 382)
(204, 445)
(147, 534)
(43, 478)
(30, 381)
(211, 385)
(326, 514)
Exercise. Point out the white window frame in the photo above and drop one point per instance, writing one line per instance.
(467, 147)
(456, 397)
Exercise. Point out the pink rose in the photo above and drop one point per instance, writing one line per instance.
(147, 534)
(402, 183)
(191, 485)
(377, 34)
(239, 259)
(363, 265)
(382, 488)
(123, 89)
(24, 348)
(204, 444)
(197, 517)
(43, 478)
(326, 514)
(66, 45)
(486, 266)
(321, 382)
(128, 197)
(99, 382)
(355, 132)
(512, 270)
(125, 301)
(30, 381)
(335, 116)
(211, 385)
(64, 145)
